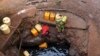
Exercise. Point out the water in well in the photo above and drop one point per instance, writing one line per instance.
(52, 50)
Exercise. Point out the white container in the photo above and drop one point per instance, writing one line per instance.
(58, 16)
(38, 27)
(7, 20)
(5, 29)
(26, 53)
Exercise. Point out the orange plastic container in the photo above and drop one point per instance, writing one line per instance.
(34, 32)
(52, 16)
(46, 15)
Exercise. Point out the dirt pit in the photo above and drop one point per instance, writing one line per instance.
(57, 44)
(71, 42)
(81, 32)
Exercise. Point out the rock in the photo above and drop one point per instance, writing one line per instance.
(28, 11)
(52, 35)
(25, 33)
(75, 22)
(12, 51)
(78, 40)
(32, 41)
(1, 54)
(72, 52)
(10, 7)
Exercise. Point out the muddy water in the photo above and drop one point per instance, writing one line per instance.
(52, 50)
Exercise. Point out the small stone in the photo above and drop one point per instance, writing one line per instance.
(72, 52)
